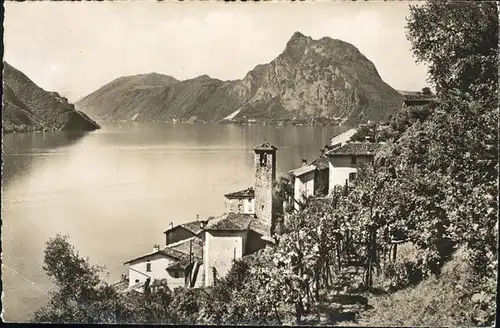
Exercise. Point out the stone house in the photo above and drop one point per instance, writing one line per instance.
(241, 201)
(345, 160)
(303, 183)
(168, 263)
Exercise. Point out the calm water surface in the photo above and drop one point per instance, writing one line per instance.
(114, 191)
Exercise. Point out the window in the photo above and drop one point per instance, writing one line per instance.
(352, 177)
(176, 274)
(136, 281)
(240, 208)
(353, 159)
(263, 159)
(262, 207)
(148, 267)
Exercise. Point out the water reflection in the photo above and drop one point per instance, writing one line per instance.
(21, 151)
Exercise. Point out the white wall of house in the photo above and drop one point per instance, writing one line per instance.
(138, 270)
(245, 205)
(219, 250)
(341, 166)
(158, 265)
(303, 187)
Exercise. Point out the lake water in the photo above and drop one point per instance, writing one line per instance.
(114, 191)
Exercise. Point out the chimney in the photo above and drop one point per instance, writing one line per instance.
(304, 162)
(197, 217)
(156, 248)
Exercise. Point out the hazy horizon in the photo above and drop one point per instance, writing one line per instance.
(74, 48)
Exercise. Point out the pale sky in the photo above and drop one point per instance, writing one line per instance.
(76, 47)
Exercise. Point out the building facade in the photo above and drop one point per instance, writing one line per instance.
(345, 160)
(264, 175)
(241, 201)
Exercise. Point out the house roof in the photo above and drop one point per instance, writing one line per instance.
(134, 287)
(303, 170)
(354, 148)
(247, 193)
(418, 99)
(321, 162)
(230, 222)
(193, 226)
(195, 244)
(260, 227)
(167, 252)
(343, 137)
(265, 146)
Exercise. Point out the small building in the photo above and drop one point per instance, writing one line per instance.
(304, 178)
(229, 237)
(342, 138)
(184, 231)
(169, 263)
(321, 176)
(241, 201)
(345, 160)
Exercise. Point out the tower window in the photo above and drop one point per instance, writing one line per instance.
(263, 159)
(353, 159)
(262, 207)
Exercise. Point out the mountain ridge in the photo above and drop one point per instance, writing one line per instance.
(328, 80)
(27, 107)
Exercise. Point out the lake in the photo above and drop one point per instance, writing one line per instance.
(114, 191)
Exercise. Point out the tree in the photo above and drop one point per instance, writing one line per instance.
(426, 91)
(80, 294)
(459, 42)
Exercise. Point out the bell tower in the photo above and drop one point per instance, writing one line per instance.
(265, 174)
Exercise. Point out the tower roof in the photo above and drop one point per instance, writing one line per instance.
(265, 146)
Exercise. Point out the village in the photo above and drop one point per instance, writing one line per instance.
(199, 252)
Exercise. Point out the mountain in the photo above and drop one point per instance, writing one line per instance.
(27, 107)
(326, 79)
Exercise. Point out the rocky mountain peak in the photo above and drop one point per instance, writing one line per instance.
(296, 46)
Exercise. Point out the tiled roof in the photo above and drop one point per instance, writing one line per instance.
(169, 252)
(194, 243)
(193, 226)
(135, 288)
(260, 227)
(303, 170)
(230, 222)
(266, 146)
(355, 148)
(247, 193)
(321, 162)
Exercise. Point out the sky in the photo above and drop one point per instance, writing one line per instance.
(74, 48)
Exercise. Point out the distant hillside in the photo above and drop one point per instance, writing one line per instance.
(327, 79)
(27, 107)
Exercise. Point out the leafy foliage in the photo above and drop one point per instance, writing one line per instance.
(459, 42)
(80, 295)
